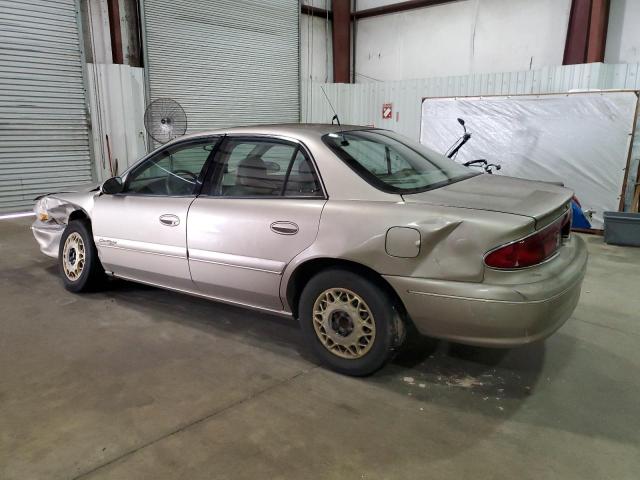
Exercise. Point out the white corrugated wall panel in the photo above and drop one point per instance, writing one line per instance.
(226, 62)
(44, 138)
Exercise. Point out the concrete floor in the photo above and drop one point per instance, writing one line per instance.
(138, 383)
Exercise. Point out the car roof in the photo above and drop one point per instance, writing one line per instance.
(295, 130)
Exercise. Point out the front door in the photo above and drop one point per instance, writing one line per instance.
(141, 233)
(259, 210)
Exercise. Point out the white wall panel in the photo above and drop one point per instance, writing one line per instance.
(96, 23)
(459, 38)
(316, 54)
(623, 41)
(117, 102)
(366, 4)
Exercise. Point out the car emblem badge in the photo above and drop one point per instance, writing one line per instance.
(107, 243)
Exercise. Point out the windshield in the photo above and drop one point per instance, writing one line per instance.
(393, 163)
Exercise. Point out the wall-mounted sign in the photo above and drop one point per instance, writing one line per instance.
(387, 111)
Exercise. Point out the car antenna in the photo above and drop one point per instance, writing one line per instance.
(335, 118)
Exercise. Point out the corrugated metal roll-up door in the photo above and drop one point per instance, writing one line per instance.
(44, 140)
(227, 62)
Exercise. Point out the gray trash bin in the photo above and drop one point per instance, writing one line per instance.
(622, 228)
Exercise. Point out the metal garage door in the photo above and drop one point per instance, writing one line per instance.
(44, 142)
(227, 62)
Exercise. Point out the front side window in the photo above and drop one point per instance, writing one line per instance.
(395, 164)
(264, 168)
(174, 171)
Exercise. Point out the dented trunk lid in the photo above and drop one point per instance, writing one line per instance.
(541, 201)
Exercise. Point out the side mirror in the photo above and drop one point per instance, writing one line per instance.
(112, 186)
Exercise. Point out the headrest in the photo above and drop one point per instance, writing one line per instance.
(251, 170)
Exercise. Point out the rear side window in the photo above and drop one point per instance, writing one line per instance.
(302, 181)
(393, 163)
(264, 168)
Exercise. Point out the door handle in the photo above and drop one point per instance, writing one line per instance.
(169, 220)
(284, 228)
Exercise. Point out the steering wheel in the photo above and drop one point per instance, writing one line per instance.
(185, 187)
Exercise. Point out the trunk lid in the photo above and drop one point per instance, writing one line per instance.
(539, 200)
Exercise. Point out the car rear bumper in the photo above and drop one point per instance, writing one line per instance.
(503, 314)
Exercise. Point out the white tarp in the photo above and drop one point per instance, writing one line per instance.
(580, 139)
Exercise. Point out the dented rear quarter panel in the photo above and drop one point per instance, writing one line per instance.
(453, 241)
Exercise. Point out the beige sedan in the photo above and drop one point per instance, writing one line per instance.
(357, 232)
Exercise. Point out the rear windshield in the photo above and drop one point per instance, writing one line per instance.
(393, 163)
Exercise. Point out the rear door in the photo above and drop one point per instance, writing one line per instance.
(141, 233)
(260, 208)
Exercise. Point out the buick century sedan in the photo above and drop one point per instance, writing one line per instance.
(360, 234)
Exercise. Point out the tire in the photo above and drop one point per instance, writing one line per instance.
(356, 348)
(78, 260)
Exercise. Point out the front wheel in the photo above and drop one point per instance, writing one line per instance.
(78, 258)
(351, 324)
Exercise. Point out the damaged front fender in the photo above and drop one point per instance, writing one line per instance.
(48, 237)
(52, 216)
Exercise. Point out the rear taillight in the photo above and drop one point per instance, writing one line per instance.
(567, 219)
(533, 249)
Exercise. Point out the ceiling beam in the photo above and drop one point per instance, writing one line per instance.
(398, 7)
(316, 12)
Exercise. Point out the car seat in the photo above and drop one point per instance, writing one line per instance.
(252, 179)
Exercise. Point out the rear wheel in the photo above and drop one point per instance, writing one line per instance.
(351, 323)
(78, 258)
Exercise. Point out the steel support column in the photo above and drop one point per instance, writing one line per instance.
(587, 32)
(115, 31)
(598, 30)
(341, 41)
